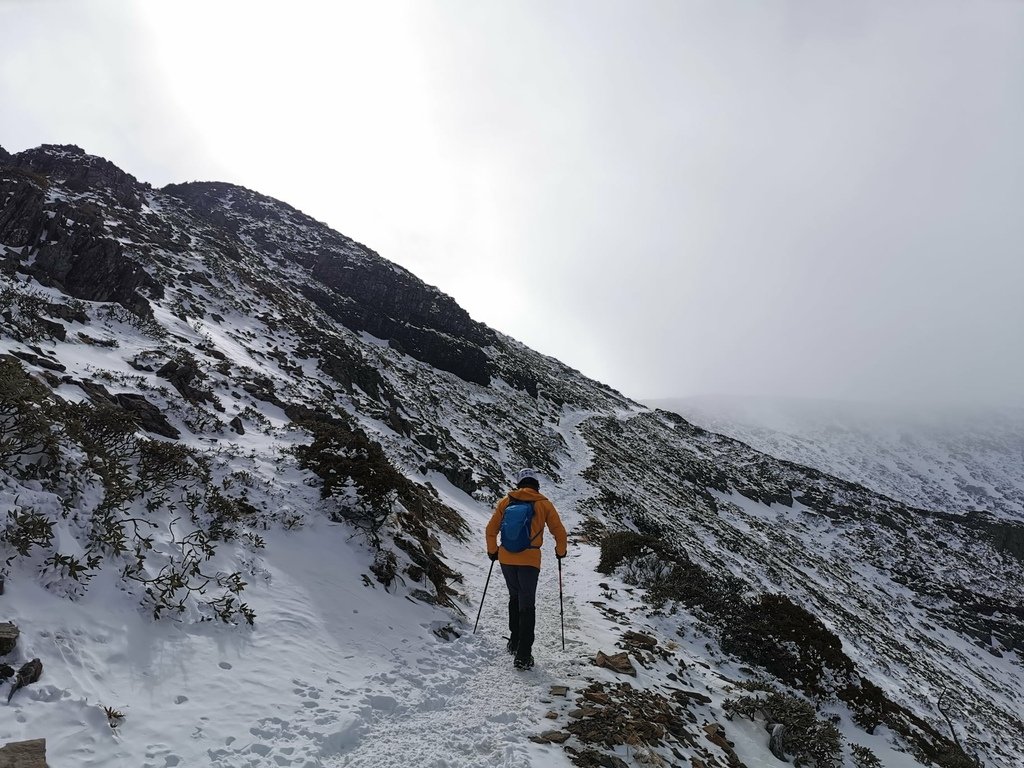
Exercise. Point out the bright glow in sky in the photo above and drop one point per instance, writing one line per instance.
(690, 196)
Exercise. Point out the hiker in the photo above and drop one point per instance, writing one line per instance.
(521, 566)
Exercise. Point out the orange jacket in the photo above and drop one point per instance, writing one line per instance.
(544, 513)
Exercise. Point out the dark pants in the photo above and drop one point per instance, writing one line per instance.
(522, 607)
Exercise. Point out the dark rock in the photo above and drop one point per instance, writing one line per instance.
(96, 269)
(351, 283)
(8, 637)
(715, 733)
(639, 640)
(29, 673)
(777, 739)
(263, 388)
(142, 412)
(1006, 536)
(76, 257)
(53, 328)
(6, 672)
(42, 362)
(183, 375)
(427, 440)
(94, 342)
(68, 312)
(147, 415)
(693, 696)
(82, 172)
(237, 425)
(95, 391)
(555, 737)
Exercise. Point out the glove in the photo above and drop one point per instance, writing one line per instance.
(493, 555)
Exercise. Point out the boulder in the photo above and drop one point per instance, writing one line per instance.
(24, 754)
(8, 637)
(715, 733)
(148, 416)
(617, 662)
(184, 375)
(29, 673)
(639, 640)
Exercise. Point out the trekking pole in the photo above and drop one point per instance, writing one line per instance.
(561, 603)
(483, 596)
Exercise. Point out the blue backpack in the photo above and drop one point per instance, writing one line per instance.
(515, 526)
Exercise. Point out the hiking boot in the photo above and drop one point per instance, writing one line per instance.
(521, 663)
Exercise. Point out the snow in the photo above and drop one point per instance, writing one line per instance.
(335, 673)
(338, 670)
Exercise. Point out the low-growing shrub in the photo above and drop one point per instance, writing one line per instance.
(809, 740)
(789, 642)
(863, 757)
(29, 434)
(25, 530)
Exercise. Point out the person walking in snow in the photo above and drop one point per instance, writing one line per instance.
(520, 517)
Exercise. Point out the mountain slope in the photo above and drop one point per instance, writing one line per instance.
(951, 459)
(228, 414)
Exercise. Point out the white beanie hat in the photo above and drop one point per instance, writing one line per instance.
(527, 474)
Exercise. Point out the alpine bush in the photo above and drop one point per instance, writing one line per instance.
(789, 642)
(809, 740)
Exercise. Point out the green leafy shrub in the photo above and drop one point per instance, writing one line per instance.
(161, 466)
(624, 546)
(29, 436)
(26, 529)
(863, 757)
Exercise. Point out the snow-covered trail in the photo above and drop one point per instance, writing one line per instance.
(461, 704)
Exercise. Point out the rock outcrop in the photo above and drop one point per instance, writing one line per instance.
(71, 250)
(24, 754)
(350, 282)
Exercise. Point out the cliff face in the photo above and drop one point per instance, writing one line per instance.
(215, 364)
(68, 242)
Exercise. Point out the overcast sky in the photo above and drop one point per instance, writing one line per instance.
(812, 199)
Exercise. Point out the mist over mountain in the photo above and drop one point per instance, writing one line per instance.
(954, 458)
(245, 468)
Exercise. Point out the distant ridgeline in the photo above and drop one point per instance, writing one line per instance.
(183, 369)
